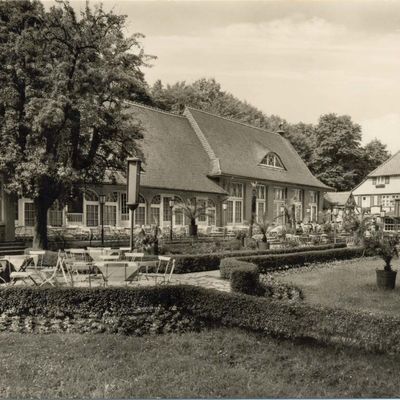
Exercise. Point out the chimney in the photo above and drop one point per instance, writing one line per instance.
(281, 131)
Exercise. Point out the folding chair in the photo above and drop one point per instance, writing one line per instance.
(38, 257)
(165, 269)
(49, 275)
(135, 260)
(21, 274)
(80, 264)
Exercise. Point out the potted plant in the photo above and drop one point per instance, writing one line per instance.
(386, 248)
(263, 225)
(192, 212)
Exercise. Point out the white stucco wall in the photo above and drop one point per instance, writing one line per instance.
(367, 188)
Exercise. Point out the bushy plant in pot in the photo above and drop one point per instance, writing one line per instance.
(240, 236)
(192, 211)
(263, 224)
(386, 248)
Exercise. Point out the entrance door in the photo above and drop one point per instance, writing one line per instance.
(366, 201)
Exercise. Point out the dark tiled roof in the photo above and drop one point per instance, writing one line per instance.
(389, 167)
(241, 147)
(174, 157)
(337, 198)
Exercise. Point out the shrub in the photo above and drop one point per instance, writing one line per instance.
(227, 265)
(207, 262)
(272, 262)
(191, 307)
(245, 279)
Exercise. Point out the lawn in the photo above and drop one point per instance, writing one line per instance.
(347, 284)
(215, 363)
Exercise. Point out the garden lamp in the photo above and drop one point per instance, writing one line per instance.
(102, 201)
(171, 206)
(133, 186)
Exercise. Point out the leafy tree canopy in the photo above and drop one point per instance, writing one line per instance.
(63, 82)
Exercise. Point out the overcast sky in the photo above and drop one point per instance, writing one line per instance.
(296, 59)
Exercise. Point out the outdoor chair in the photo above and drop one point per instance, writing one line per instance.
(38, 257)
(164, 271)
(80, 264)
(22, 273)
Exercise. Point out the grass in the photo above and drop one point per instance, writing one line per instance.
(215, 363)
(347, 284)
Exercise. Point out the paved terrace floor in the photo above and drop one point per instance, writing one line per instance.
(207, 279)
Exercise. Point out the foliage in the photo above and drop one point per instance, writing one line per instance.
(273, 262)
(64, 80)
(290, 320)
(186, 263)
(240, 235)
(191, 210)
(227, 265)
(384, 247)
(375, 154)
(246, 279)
(263, 224)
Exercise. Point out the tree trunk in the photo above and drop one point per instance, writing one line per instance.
(40, 231)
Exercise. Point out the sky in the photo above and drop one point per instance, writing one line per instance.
(292, 58)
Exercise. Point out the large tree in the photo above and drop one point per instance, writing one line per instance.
(375, 153)
(64, 80)
(337, 153)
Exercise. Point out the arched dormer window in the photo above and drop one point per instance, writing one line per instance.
(272, 160)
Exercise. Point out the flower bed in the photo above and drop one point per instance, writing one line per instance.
(189, 307)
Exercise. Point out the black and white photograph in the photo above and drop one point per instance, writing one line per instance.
(199, 199)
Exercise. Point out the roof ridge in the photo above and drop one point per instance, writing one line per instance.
(135, 103)
(233, 120)
(385, 162)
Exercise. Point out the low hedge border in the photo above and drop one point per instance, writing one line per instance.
(274, 262)
(193, 308)
(186, 263)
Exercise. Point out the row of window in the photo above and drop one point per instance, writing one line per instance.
(384, 200)
(159, 210)
(381, 180)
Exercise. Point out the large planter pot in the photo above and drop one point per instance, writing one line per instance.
(192, 230)
(263, 245)
(385, 279)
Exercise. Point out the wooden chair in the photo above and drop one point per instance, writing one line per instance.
(164, 271)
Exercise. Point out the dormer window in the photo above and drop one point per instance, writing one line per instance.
(272, 160)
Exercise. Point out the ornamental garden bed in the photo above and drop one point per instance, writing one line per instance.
(141, 311)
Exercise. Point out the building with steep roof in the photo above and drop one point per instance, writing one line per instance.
(205, 158)
(380, 191)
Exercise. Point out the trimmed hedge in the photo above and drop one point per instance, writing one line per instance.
(246, 279)
(206, 307)
(227, 265)
(275, 262)
(208, 262)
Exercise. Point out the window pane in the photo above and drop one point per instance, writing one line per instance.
(238, 211)
(202, 204)
(260, 209)
(178, 217)
(124, 207)
(211, 217)
(140, 216)
(229, 212)
(110, 215)
(92, 215)
(155, 215)
(29, 214)
(166, 209)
